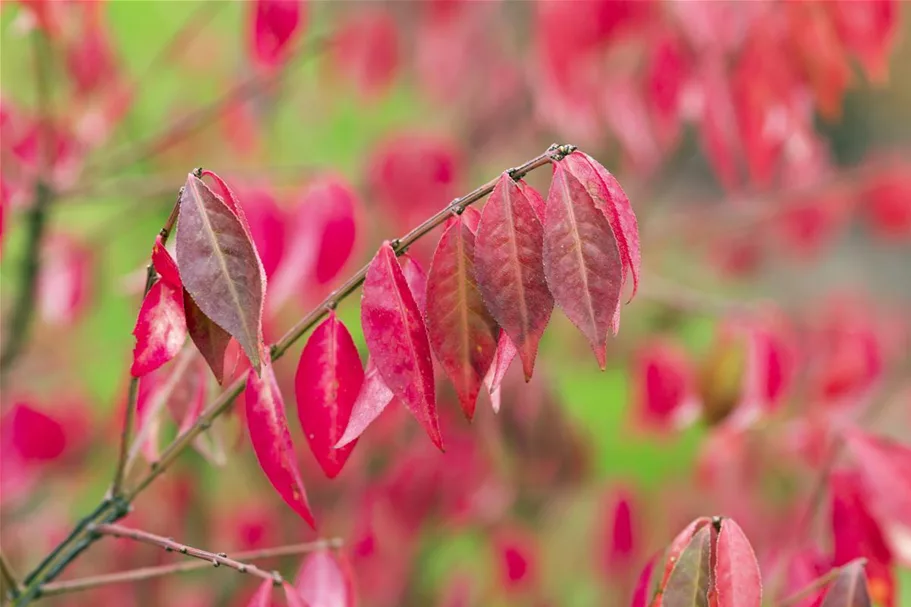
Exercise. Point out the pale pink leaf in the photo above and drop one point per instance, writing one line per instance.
(161, 328)
(324, 582)
(738, 582)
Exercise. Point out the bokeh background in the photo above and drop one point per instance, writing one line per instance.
(764, 146)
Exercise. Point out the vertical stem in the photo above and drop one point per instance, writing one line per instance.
(8, 577)
(133, 390)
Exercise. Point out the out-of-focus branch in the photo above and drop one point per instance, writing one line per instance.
(9, 578)
(146, 573)
(22, 311)
(215, 559)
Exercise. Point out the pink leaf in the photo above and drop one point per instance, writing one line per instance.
(323, 582)
(509, 268)
(366, 50)
(375, 395)
(885, 468)
(338, 230)
(210, 339)
(505, 354)
(611, 200)
(738, 582)
(849, 589)
(293, 597)
(161, 328)
(329, 377)
(397, 339)
(275, 25)
(642, 592)
(220, 267)
(263, 595)
(268, 426)
(688, 585)
(462, 332)
(581, 260)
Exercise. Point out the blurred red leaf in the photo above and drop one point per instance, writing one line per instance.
(366, 50)
(856, 534)
(220, 267)
(868, 29)
(664, 384)
(517, 559)
(621, 542)
(462, 332)
(849, 589)
(274, 26)
(263, 595)
(268, 426)
(688, 584)
(885, 468)
(738, 582)
(64, 283)
(323, 581)
(642, 594)
(267, 227)
(328, 379)
(885, 200)
(397, 339)
(581, 261)
(509, 267)
(89, 56)
(33, 434)
(338, 229)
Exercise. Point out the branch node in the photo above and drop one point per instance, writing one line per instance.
(277, 579)
(197, 172)
(215, 563)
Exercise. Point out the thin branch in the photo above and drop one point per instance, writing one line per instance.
(133, 390)
(20, 318)
(111, 510)
(400, 245)
(818, 584)
(146, 573)
(215, 559)
(9, 578)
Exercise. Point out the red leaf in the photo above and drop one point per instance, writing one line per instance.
(268, 426)
(663, 384)
(275, 24)
(868, 29)
(210, 339)
(65, 280)
(462, 332)
(738, 582)
(263, 595)
(505, 354)
(89, 58)
(849, 589)
(510, 269)
(323, 582)
(688, 585)
(329, 377)
(885, 468)
(886, 201)
(642, 592)
(397, 339)
(161, 328)
(267, 227)
(220, 267)
(34, 435)
(621, 536)
(472, 217)
(581, 260)
(366, 50)
(856, 534)
(164, 264)
(339, 230)
(375, 395)
(611, 200)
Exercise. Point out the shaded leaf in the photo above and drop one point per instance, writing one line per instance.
(160, 330)
(461, 330)
(849, 589)
(611, 200)
(738, 582)
(509, 268)
(397, 340)
(323, 581)
(210, 339)
(220, 267)
(688, 585)
(328, 380)
(268, 426)
(581, 260)
(505, 354)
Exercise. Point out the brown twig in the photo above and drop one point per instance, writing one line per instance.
(133, 390)
(146, 573)
(9, 578)
(115, 506)
(819, 583)
(215, 559)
